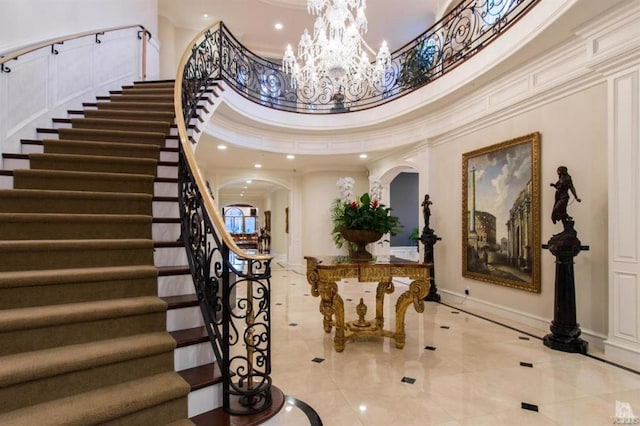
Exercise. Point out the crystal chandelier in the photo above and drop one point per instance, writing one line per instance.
(337, 50)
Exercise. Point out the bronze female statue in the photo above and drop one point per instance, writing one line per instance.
(426, 211)
(563, 186)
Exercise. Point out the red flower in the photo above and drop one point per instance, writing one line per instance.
(374, 204)
(353, 205)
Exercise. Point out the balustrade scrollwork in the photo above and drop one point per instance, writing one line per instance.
(465, 30)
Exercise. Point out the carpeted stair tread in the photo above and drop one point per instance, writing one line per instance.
(121, 136)
(41, 316)
(108, 149)
(181, 422)
(136, 96)
(65, 254)
(156, 83)
(165, 271)
(144, 106)
(114, 404)
(84, 275)
(145, 90)
(93, 163)
(122, 124)
(21, 289)
(130, 115)
(36, 365)
(83, 181)
(62, 201)
(47, 226)
(40, 327)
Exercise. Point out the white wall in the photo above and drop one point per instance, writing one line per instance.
(174, 41)
(25, 22)
(573, 133)
(276, 203)
(318, 192)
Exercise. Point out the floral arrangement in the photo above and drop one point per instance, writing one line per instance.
(364, 212)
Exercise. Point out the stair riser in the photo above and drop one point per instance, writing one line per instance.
(43, 230)
(59, 162)
(18, 260)
(6, 182)
(193, 356)
(165, 189)
(180, 319)
(86, 183)
(105, 136)
(166, 209)
(205, 399)
(60, 204)
(170, 256)
(64, 385)
(167, 171)
(56, 294)
(166, 231)
(101, 149)
(83, 332)
(175, 285)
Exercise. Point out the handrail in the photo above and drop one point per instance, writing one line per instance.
(240, 332)
(59, 40)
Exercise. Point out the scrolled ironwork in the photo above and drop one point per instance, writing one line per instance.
(466, 29)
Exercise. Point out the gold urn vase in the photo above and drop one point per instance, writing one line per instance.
(360, 237)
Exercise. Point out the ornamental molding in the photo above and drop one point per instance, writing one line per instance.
(575, 65)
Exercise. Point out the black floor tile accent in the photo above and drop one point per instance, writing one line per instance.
(455, 312)
(408, 380)
(523, 338)
(446, 327)
(293, 324)
(312, 415)
(430, 348)
(318, 360)
(530, 407)
(526, 364)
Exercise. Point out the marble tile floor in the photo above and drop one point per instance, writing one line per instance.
(465, 370)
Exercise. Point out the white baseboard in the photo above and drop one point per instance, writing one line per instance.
(477, 306)
(622, 354)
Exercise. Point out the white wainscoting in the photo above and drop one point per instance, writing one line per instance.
(43, 84)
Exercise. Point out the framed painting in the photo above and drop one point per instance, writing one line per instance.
(501, 213)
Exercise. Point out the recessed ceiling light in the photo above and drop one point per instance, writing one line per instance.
(205, 15)
(290, 157)
(249, 181)
(278, 26)
(257, 166)
(363, 155)
(222, 147)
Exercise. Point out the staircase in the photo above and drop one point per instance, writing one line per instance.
(92, 212)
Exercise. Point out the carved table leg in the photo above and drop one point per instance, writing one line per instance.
(328, 291)
(418, 289)
(338, 308)
(384, 287)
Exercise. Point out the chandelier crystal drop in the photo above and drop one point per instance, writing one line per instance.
(336, 51)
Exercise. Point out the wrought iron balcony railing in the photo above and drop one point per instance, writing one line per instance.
(465, 30)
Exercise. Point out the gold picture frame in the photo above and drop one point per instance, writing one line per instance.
(501, 213)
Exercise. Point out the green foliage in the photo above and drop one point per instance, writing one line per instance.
(415, 235)
(364, 214)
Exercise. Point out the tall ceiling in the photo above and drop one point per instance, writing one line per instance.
(253, 23)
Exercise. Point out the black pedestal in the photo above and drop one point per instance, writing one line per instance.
(429, 239)
(565, 331)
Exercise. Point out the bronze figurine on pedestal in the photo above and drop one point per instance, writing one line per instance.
(429, 239)
(565, 331)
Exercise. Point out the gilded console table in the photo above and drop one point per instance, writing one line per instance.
(324, 273)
